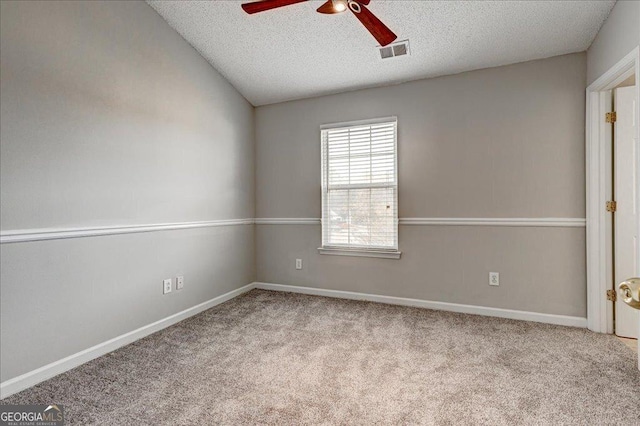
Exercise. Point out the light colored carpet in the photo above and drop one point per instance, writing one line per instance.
(277, 358)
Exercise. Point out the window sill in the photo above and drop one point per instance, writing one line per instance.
(380, 254)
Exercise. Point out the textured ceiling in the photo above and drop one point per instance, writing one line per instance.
(294, 52)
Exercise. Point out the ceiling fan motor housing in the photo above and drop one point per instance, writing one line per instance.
(355, 6)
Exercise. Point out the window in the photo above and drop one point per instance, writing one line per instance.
(360, 189)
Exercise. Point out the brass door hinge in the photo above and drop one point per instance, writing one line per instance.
(611, 117)
(612, 295)
(612, 206)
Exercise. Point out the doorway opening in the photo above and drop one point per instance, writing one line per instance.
(600, 156)
(624, 212)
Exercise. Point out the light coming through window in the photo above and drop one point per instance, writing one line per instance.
(360, 185)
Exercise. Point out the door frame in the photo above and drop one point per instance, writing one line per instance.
(598, 183)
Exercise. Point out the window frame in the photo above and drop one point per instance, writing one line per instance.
(359, 251)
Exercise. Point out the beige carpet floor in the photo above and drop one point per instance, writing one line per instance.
(277, 358)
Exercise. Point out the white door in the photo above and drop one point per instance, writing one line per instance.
(627, 321)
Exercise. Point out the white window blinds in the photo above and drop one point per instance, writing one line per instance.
(360, 185)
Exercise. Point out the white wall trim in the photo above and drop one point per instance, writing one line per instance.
(32, 378)
(599, 267)
(42, 234)
(288, 221)
(428, 304)
(359, 122)
(451, 221)
(616, 74)
(379, 254)
(490, 221)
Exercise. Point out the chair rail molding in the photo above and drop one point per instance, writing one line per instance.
(287, 221)
(450, 221)
(496, 221)
(43, 234)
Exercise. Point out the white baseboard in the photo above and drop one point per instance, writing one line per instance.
(428, 304)
(24, 381)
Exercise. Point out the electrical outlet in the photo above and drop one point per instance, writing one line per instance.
(179, 282)
(298, 263)
(494, 278)
(166, 286)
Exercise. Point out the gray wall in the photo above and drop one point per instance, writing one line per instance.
(619, 35)
(500, 142)
(109, 117)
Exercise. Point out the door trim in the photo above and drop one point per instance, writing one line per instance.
(598, 175)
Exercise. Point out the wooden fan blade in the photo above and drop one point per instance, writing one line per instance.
(327, 8)
(261, 6)
(380, 31)
(364, 2)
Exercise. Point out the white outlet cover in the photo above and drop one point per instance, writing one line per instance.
(494, 278)
(298, 263)
(179, 283)
(166, 286)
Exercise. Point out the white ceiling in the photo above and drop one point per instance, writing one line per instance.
(294, 52)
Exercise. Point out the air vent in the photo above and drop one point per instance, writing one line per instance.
(386, 52)
(400, 48)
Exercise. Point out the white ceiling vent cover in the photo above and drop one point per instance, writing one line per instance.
(400, 48)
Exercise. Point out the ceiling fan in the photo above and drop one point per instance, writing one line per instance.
(380, 31)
